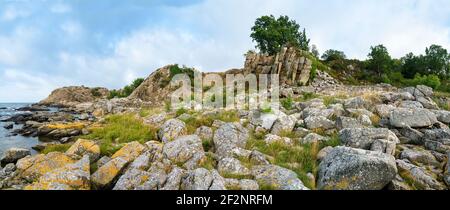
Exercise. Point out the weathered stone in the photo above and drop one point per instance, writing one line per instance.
(171, 129)
(33, 167)
(130, 151)
(447, 170)
(241, 184)
(102, 161)
(427, 103)
(437, 140)
(414, 118)
(346, 168)
(355, 103)
(364, 138)
(412, 135)
(105, 176)
(276, 177)
(270, 139)
(198, 179)
(131, 179)
(229, 136)
(174, 179)
(318, 122)
(155, 120)
(384, 111)
(13, 155)
(410, 105)
(313, 138)
(85, 147)
(443, 116)
(419, 156)
(218, 182)
(420, 178)
(258, 158)
(74, 176)
(185, 150)
(323, 153)
(232, 166)
(283, 124)
(204, 132)
(347, 122)
(156, 179)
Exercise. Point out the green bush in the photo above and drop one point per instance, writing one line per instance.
(287, 103)
(127, 90)
(428, 80)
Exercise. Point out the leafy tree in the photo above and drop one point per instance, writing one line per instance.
(437, 60)
(412, 65)
(127, 90)
(333, 55)
(379, 60)
(271, 34)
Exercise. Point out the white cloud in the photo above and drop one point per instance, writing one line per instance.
(60, 8)
(11, 12)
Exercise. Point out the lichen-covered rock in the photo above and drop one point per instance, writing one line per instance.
(419, 156)
(105, 176)
(384, 111)
(171, 129)
(232, 166)
(447, 170)
(33, 167)
(313, 138)
(129, 151)
(443, 116)
(131, 179)
(270, 139)
(437, 140)
(185, 150)
(355, 103)
(85, 147)
(174, 179)
(410, 105)
(218, 182)
(347, 122)
(318, 122)
(412, 135)
(276, 177)
(155, 120)
(414, 118)
(156, 179)
(283, 124)
(364, 138)
(258, 158)
(420, 178)
(204, 132)
(346, 168)
(228, 137)
(241, 184)
(74, 176)
(12, 155)
(198, 179)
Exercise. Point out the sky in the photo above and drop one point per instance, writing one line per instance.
(46, 44)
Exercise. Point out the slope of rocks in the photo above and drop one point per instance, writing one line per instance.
(71, 96)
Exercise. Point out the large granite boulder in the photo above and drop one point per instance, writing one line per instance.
(376, 139)
(414, 118)
(171, 129)
(276, 177)
(346, 168)
(185, 150)
(13, 155)
(228, 137)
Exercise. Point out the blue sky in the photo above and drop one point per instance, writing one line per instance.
(45, 44)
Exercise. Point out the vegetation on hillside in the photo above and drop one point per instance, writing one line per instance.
(127, 90)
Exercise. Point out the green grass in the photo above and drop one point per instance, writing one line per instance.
(56, 148)
(198, 120)
(287, 103)
(267, 109)
(236, 176)
(333, 141)
(209, 163)
(299, 158)
(207, 144)
(120, 129)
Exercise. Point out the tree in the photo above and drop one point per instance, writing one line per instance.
(333, 55)
(379, 60)
(412, 65)
(271, 34)
(437, 60)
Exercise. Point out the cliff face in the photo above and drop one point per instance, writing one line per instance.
(155, 88)
(71, 96)
(294, 68)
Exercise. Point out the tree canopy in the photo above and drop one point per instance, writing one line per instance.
(272, 33)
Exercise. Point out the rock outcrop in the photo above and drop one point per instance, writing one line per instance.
(74, 95)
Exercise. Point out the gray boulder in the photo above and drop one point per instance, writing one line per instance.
(347, 122)
(277, 177)
(420, 178)
(443, 116)
(346, 168)
(204, 132)
(198, 179)
(319, 122)
(171, 129)
(283, 124)
(185, 150)
(376, 139)
(437, 140)
(414, 118)
(228, 137)
(174, 179)
(13, 155)
(232, 166)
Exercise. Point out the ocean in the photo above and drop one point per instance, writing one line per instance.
(6, 140)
